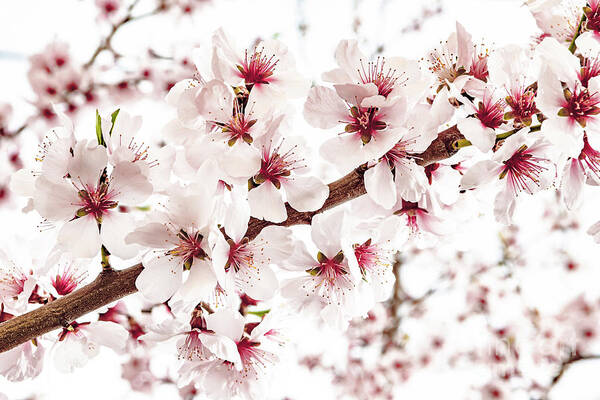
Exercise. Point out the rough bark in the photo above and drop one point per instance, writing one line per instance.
(112, 285)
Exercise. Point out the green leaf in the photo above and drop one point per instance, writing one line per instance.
(99, 130)
(261, 313)
(113, 118)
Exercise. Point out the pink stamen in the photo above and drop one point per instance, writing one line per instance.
(375, 72)
(365, 122)
(491, 114)
(259, 68)
(590, 157)
(522, 169)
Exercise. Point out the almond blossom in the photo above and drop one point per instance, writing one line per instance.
(246, 261)
(16, 284)
(374, 249)
(368, 131)
(22, 362)
(523, 163)
(480, 129)
(391, 75)
(328, 283)
(79, 342)
(257, 348)
(268, 70)
(179, 239)
(570, 110)
(577, 172)
(198, 342)
(456, 63)
(88, 198)
(282, 177)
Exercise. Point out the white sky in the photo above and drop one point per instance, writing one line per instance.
(26, 26)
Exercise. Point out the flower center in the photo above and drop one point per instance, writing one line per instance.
(491, 114)
(442, 63)
(364, 122)
(523, 169)
(592, 13)
(479, 68)
(375, 72)
(240, 255)
(411, 210)
(276, 167)
(258, 68)
(238, 127)
(579, 105)
(522, 104)
(589, 70)
(189, 247)
(398, 154)
(66, 281)
(12, 281)
(329, 269)
(590, 157)
(366, 255)
(96, 201)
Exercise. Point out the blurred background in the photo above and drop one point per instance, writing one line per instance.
(490, 313)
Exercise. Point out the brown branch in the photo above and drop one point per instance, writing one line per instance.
(111, 285)
(565, 365)
(106, 43)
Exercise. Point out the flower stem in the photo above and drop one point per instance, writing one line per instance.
(573, 46)
(460, 143)
(105, 262)
(506, 134)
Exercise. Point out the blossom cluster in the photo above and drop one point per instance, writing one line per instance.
(208, 211)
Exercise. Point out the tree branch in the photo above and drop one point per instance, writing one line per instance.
(565, 365)
(112, 285)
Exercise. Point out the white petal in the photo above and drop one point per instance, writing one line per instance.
(236, 219)
(348, 56)
(115, 227)
(464, 46)
(299, 260)
(504, 206)
(565, 134)
(260, 282)
(324, 108)
(550, 97)
(71, 353)
(80, 237)
(241, 160)
(130, 185)
(345, 152)
(356, 93)
(160, 278)
(572, 184)
(215, 101)
(411, 181)
(199, 285)
(22, 183)
(266, 203)
(277, 242)
(559, 59)
(226, 322)
(481, 136)
(380, 186)
(480, 173)
(109, 334)
(221, 346)
(327, 230)
(306, 193)
(153, 235)
(55, 201)
(87, 164)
